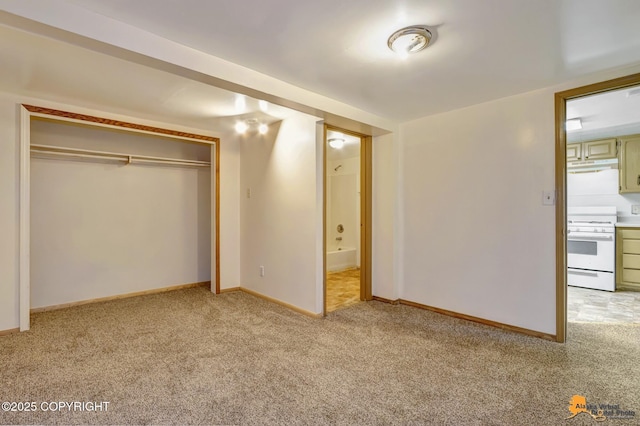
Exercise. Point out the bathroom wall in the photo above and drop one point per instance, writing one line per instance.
(343, 204)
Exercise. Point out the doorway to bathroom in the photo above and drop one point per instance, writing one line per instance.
(347, 218)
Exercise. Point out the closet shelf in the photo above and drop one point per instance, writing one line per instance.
(50, 150)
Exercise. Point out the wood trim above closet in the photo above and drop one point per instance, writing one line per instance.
(116, 123)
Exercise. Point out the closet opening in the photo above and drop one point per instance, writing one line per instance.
(111, 209)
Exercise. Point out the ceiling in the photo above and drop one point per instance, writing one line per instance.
(482, 50)
(608, 114)
(42, 67)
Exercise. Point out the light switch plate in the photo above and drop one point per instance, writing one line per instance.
(549, 198)
(635, 209)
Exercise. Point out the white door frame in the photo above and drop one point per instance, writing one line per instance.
(26, 113)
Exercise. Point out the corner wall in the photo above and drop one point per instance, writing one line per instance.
(279, 221)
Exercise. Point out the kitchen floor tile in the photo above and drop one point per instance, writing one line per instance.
(587, 305)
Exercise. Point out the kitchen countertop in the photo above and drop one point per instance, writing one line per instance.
(627, 224)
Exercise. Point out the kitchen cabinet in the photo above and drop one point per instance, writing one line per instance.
(574, 152)
(630, 164)
(592, 150)
(628, 259)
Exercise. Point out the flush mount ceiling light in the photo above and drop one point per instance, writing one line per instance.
(251, 123)
(409, 40)
(336, 143)
(573, 124)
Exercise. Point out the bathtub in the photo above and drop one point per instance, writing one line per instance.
(340, 259)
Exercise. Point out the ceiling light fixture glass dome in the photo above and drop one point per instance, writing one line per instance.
(409, 40)
(336, 143)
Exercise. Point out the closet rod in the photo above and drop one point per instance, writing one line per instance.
(127, 158)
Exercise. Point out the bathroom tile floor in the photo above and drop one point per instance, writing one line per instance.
(587, 305)
(343, 289)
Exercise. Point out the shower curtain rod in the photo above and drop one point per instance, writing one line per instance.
(116, 156)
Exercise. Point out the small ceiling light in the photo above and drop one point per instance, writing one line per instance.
(263, 128)
(336, 143)
(409, 40)
(573, 124)
(241, 127)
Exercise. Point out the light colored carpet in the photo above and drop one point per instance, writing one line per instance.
(188, 357)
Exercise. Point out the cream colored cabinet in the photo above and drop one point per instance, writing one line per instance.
(628, 259)
(574, 152)
(630, 164)
(599, 150)
(592, 150)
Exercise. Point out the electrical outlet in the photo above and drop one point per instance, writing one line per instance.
(549, 198)
(635, 209)
(261, 271)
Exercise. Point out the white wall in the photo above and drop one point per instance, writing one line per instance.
(601, 189)
(279, 222)
(102, 229)
(229, 211)
(9, 213)
(343, 204)
(478, 240)
(385, 256)
(9, 196)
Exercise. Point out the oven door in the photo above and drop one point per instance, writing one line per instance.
(591, 251)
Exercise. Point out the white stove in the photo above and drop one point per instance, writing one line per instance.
(591, 246)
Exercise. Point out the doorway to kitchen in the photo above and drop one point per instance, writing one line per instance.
(598, 204)
(347, 218)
